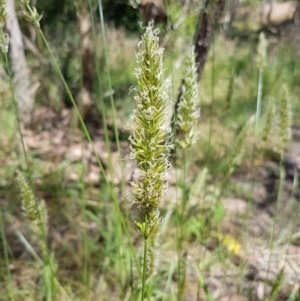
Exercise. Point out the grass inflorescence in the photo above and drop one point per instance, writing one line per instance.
(150, 140)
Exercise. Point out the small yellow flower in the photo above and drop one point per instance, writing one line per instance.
(232, 245)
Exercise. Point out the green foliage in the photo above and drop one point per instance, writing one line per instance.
(122, 14)
(56, 13)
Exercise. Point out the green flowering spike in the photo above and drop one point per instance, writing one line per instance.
(268, 124)
(284, 121)
(149, 141)
(3, 15)
(188, 111)
(4, 41)
(4, 38)
(35, 211)
(262, 52)
(28, 199)
(31, 14)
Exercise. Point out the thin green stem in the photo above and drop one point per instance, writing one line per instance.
(112, 103)
(259, 98)
(279, 195)
(85, 235)
(5, 251)
(31, 251)
(180, 228)
(99, 86)
(144, 265)
(104, 118)
(85, 274)
(16, 110)
(86, 132)
(208, 155)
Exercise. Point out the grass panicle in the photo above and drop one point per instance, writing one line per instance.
(268, 123)
(284, 121)
(149, 141)
(188, 108)
(35, 211)
(262, 52)
(3, 15)
(187, 117)
(31, 14)
(4, 38)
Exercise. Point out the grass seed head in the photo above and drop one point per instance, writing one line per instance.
(269, 120)
(3, 15)
(262, 52)
(188, 108)
(35, 211)
(4, 38)
(149, 141)
(284, 121)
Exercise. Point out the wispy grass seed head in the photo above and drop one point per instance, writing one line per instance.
(188, 108)
(4, 38)
(2, 14)
(149, 141)
(31, 14)
(284, 121)
(35, 211)
(268, 126)
(262, 52)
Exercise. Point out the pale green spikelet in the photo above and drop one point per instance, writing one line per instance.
(4, 38)
(188, 108)
(28, 199)
(262, 52)
(284, 121)
(268, 125)
(31, 14)
(149, 141)
(239, 147)
(35, 211)
(3, 15)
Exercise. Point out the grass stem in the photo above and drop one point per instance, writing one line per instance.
(144, 263)
(259, 99)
